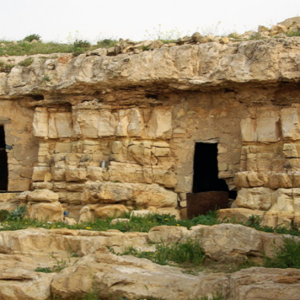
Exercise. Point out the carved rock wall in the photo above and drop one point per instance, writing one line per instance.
(147, 152)
(121, 131)
(269, 177)
(23, 146)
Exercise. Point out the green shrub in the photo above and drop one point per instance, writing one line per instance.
(285, 256)
(26, 62)
(106, 43)
(46, 78)
(294, 33)
(3, 215)
(25, 48)
(17, 214)
(6, 68)
(211, 218)
(188, 253)
(32, 37)
(80, 46)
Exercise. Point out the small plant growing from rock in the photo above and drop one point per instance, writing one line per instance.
(3, 215)
(187, 253)
(5, 68)
(26, 62)
(46, 78)
(43, 270)
(59, 265)
(17, 214)
(286, 256)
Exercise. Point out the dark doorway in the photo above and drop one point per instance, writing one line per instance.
(209, 192)
(206, 169)
(3, 161)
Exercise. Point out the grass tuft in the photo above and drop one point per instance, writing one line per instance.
(185, 254)
(285, 256)
(26, 62)
(5, 68)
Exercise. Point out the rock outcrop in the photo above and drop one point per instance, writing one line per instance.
(80, 264)
(95, 132)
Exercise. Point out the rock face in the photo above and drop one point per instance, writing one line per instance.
(99, 131)
(84, 265)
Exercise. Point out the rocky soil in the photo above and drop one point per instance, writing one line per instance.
(86, 265)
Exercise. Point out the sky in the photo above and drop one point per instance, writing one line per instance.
(93, 20)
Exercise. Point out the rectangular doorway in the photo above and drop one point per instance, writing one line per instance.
(3, 161)
(209, 192)
(206, 173)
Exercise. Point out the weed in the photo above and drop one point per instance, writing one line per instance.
(25, 48)
(81, 44)
(165, 36)
(17, 214)
(26, 62)
(286, 256)
(46, 78)
(235, 36)
(32, 37)
(106, 43)
(256, 36)
(188, 253)
(5, 68)
(3, 215)
(254, 221)
(246, 264)
(141, 223)
(59, 265)
(43, 270)
(294, 33)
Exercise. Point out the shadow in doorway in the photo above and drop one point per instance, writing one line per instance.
(209, 192)
(3, 161)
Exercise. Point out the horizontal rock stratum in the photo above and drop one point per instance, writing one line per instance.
(85, 266)
(187, 67)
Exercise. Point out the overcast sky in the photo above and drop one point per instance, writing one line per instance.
(66, 20)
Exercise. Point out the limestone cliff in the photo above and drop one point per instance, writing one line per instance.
(112, 133)
(127, 78)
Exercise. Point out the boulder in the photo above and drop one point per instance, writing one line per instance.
(228, 241)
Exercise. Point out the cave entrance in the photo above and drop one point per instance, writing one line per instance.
(209, 192)
(3, 161)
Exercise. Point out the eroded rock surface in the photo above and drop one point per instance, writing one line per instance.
(85, 265)
(109, 132)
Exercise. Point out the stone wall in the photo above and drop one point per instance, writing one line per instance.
(106, 134)
(17, 122)
(148, 152)
(269, 179)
